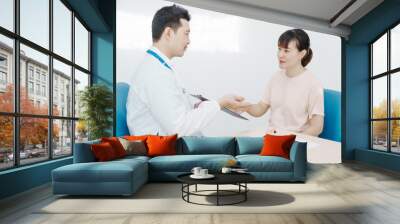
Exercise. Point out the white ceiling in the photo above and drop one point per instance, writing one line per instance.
(320, 9)
(313, 15)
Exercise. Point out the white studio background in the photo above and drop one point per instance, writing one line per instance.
(227, 54)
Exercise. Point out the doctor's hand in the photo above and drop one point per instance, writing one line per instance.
(233, 102)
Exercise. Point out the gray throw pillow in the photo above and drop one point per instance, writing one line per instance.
(137, 148)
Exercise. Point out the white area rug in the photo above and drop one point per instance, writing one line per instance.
(166, 198)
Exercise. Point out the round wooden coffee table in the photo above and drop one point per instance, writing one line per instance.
(238, 179)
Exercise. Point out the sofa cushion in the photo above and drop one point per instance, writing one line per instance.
(136, 137)
(249, 145)
(257, 163)
(193, 145)
(136, 147)
(103, 152)
(112, 171)
(185, 163)
(277, 145)
(116, 145)
(161, 145)
(131, 158)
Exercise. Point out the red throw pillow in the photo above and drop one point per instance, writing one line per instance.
(161, 145)
(116, 145)
(277, 145)
(136, 138)
(103, 151)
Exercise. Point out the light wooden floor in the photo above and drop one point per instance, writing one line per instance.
(378, 188)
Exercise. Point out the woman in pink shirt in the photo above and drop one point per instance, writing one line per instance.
(293, 95)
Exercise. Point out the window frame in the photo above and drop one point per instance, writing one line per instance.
(388, 74)
(3, 70)
(15, 72)
(5, 58)
(3, 74)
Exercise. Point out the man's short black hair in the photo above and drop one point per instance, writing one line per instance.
(168, 16)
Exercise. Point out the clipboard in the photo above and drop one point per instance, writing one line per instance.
(226, 110)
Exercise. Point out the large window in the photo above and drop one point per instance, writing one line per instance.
(34, 21)
(385, 91)
(44, 64)
(81, 45)
(7, 14)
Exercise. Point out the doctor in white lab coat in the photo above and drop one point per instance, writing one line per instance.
(157, 102)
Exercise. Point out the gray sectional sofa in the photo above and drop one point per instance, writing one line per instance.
(125, 176)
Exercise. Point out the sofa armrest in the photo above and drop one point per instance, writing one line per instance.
(83, 152)
(298, 155)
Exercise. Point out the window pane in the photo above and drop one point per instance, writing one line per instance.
(6, 142)
(395, 47)
(379, 55)
(81, 131)
(379, 135)
(395, 94)
(35, 21)
(34, 97)
(81, 81)
(7, 14)
(62, 29)
(81, 45)
(33, 139)
(62, 141)
(6, 74)
(379, 97)
(395, 136)
(62, 89)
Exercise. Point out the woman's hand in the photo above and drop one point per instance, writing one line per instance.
(255, 110)
(242, 109)
(232, 102)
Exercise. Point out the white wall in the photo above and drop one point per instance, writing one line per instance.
(227, 54)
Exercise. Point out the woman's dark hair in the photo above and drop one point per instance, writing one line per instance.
(302, 43)
(168, 16)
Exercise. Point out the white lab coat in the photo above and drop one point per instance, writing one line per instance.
(158, 104)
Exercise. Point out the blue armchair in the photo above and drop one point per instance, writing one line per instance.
(332, 120)
(122, 95)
